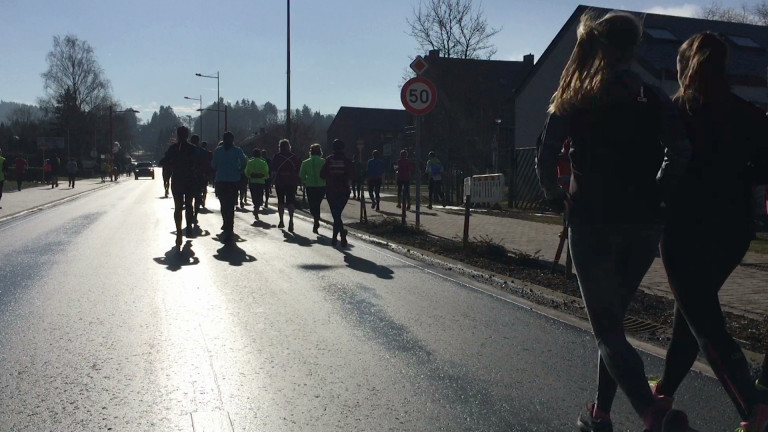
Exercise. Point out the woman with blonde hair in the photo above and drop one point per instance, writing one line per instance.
(703, 243)
(627, 146)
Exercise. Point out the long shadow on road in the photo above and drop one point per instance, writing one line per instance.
(234, 255)
(175, 259)
(367, 266)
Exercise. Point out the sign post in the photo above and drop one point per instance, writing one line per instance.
(419, 97)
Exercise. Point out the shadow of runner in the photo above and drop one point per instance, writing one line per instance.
(232, 254)
(366, 266)
(297, 239)
(175, 259)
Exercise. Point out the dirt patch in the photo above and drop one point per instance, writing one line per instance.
(653, 313)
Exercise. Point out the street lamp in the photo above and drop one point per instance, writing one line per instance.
(218, 102)
(496, 146)
(200, 99)
(218, 111)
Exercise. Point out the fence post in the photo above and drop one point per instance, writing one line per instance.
(467, 205)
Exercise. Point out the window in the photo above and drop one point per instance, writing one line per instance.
(743, 41)
(660, 34)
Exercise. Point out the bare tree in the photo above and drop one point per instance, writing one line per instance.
(73, 68)
(748, 14)
(455, 27)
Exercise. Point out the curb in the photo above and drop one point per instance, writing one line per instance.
(51, 204)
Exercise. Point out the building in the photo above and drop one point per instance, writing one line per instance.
(469, 128)
(367, 129)
(656, 63)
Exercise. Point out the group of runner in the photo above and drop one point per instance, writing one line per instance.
(188, 167)
(713, 150)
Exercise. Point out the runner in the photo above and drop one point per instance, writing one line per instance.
(20, 170)
(360, 171)
(268, 181)
(611, 117)
(702, 244)
(257, 172)
(197, 195)
(55, 165)
(167, 173)
(285, 174)
(229, 162)
(404, 169)
(375, 174)
(71, 172)
(338, 171)
(435, 175)
(2, 174)
(181, 156)
(206, 171)
(310, 176)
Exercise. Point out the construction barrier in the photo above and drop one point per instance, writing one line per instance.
(485, 189)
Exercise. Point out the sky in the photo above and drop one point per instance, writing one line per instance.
(343, 52)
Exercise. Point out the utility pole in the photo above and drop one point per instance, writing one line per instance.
(288, 90)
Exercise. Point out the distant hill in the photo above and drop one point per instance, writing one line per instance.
(6, 108)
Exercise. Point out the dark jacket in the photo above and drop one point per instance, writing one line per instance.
(285, 169)
(729, 155)
(628, 149)
(337, 171)
(182, 159)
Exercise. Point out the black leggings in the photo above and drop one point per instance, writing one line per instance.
(610, 261)
(315, 197)
(374, 190)
(404, 191)
(698, 264)
(182, 201)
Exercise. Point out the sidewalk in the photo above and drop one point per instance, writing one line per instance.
(745, 292)
(34, 197)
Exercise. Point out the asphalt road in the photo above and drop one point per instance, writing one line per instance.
(104, 327)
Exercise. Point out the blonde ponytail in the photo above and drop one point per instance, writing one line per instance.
(602, 45)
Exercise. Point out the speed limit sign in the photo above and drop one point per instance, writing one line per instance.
(418, 95)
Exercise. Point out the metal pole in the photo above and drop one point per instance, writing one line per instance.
(201, 119)
(288, 88)
(419, 170)
(218, 107)
(110, 133)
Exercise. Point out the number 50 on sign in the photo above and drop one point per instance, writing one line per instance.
(418, 95)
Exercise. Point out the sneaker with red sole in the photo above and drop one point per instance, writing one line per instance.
(594, 421)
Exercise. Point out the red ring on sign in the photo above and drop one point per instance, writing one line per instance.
(404, 99)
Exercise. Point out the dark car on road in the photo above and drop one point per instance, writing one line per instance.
(144, 169)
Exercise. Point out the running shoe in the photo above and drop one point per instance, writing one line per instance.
(758, 422)
(663, 400)
(587, 421)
